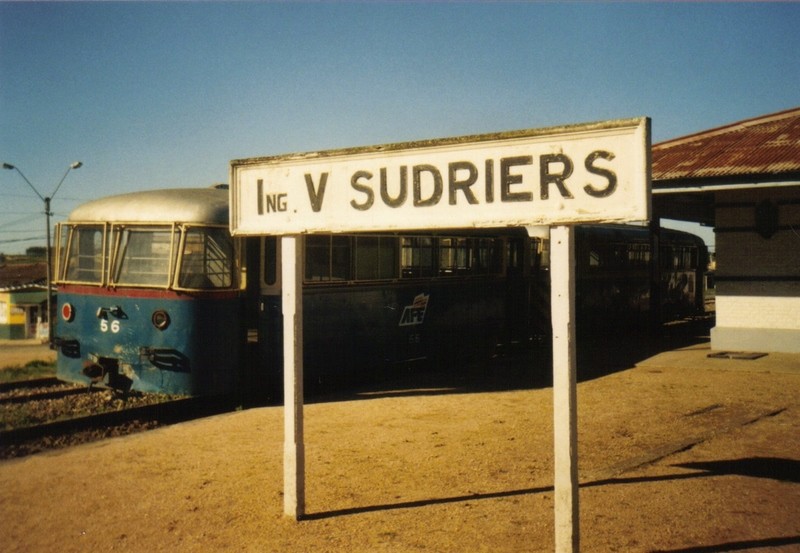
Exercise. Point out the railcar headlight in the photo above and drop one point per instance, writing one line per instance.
(67, 312)
(160, 319)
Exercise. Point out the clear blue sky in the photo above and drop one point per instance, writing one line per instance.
(152, 95)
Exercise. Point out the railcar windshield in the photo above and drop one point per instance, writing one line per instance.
(84, 254)
(142, 256)
(191, 257)
(207, 259)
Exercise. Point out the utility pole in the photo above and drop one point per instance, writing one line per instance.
(47, 213)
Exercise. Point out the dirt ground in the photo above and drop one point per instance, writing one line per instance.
(15, 353)
(678, 452)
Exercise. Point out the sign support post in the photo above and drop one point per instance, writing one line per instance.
(565, 408)
(293, 441)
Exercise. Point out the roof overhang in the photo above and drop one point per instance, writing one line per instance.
(693, 199)
(680, 187)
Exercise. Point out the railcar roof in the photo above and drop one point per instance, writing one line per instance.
(624, 233)
(185, 205)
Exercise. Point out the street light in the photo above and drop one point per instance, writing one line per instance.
(47, 213)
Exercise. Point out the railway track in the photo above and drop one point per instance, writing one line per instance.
(47, 414)
(39, 390)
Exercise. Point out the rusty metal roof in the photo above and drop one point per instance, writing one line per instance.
(766, 146)
(15, 277)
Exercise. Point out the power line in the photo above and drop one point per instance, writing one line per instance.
(10, 241)
(15, 221)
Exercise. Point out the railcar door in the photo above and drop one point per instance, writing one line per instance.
(265, 320)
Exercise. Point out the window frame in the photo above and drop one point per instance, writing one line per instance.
(111, 250)
(66, 236)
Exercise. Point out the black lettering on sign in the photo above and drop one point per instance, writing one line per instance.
(489, 181)
(436, 195)
(507, 179)
(548, 178)
(610, 175)
(401, 196)
(267, 203)
(454, 184)
(276, 202)
(366, 190)
(316, 194)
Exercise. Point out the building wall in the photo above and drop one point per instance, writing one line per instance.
(14, 308)
(12, 318)
(758, 270)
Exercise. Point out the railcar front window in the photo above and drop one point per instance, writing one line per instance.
(84, 255)
(207, 261)
(144, 256)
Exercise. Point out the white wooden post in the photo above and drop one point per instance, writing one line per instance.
(293, 448)
(565, 412)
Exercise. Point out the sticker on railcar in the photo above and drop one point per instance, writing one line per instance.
(414, 314)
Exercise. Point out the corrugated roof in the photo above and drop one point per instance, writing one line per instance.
(14, 277)
(766, 145)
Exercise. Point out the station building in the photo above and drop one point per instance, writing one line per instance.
(743, 180)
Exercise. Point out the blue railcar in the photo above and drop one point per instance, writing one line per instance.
(372, 301)
(155, 295)
(149, 294)
(619, 279)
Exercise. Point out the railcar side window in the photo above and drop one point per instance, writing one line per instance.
(639, 255)
(376, 257)
(318, 258)
(417, 257)
(454, 256)
(369, 257)
(143, 256)
(515, 256)
(487, 256)
(328, 258)
(678, 258)
(340, 258)
(84, 255)
(540, 253)
(470, 256)
(207, 260)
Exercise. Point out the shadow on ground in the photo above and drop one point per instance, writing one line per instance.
(516, 366)
(784, 470)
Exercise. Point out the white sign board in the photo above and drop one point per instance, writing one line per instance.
(589, 173)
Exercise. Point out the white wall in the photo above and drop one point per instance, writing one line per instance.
(758, 278)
